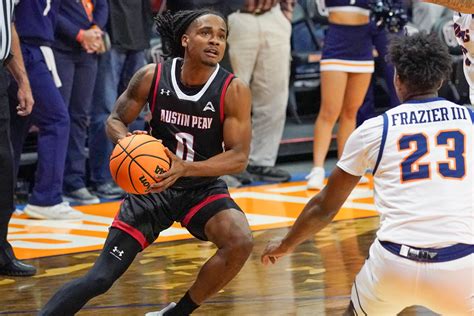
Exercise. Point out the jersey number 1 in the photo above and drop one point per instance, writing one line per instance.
(453, 168)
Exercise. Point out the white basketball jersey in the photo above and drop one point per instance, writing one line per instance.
(464, 31)
(422, 156)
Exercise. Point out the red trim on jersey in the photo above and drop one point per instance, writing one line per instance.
(158, 76)
(221, 105)
(132, 231)
(203, 203)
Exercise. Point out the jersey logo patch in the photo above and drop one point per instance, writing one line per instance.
(167, 92)
(209, 107)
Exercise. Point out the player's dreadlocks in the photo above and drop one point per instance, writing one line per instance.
(422, 61)
(172, 27)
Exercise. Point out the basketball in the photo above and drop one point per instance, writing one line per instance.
(134, 162)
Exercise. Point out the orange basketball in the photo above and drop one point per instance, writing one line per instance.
(134, 162)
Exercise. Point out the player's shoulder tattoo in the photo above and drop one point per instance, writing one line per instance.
(135, 84)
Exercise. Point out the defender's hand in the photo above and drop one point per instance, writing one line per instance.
(167, 179)
(273, 251)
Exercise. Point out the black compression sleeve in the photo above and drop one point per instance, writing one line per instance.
(119, 251)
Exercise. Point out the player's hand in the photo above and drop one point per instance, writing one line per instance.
(274, 250)
(25, 100)
(168, 178)
(137, 132)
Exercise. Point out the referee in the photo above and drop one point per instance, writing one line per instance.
(11, 60)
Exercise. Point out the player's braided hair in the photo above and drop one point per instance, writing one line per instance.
(172, 27)
(422, 61)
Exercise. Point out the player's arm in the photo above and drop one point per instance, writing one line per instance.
(237, 132)
(316, 214)
(464, 6)
(16, 67)
(322, 208)
(129, 105)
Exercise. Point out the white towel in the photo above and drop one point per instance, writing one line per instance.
(51, 63)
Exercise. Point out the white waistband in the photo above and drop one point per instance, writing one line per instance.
(349, 9)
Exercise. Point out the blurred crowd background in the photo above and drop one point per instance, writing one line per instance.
(62, 150)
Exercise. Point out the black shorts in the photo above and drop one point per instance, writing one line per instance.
(144, 217)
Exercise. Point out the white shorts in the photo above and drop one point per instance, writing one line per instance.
(388, 283)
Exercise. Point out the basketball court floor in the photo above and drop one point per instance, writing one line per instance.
(315, 280)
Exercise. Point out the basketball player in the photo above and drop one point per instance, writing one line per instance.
(422, 156)
(201, 112)
(464, 32)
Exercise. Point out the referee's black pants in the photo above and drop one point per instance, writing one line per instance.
(6, 168)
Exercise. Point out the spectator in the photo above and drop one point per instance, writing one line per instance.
(259, 49)
(35, 22)
(129, 27)
(346, 69)
(78, 39)
(225, 7)
(425, 15)
(464, 32)
(9, 264)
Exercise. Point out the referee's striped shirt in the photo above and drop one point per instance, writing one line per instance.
(6, 16)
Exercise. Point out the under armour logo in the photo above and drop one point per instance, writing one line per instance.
(117, 253)
(209, 107)
(163, 91)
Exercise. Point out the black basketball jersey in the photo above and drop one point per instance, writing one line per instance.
(190, 125)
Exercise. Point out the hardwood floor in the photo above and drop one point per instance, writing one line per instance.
(315, 280)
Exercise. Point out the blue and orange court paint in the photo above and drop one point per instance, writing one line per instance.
(266, 206)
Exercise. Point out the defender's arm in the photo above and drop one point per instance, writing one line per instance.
(316, 215)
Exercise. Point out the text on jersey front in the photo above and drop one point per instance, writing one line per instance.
(187, 120)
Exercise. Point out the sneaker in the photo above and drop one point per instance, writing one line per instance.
(164, 310)
(58, 211)
(231, 181)
(315, 178)
(109, 190)
(244, 177)
(81, 196)
(264, 173)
